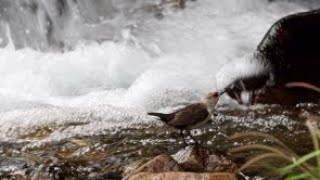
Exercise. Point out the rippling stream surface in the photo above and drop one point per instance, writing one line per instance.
(108, 154)
(77, 78)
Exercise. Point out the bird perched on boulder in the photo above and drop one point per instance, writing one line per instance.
(289, 52)
(192, 116)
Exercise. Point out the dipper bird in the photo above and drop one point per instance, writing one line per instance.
(192, 116)
(288, 52)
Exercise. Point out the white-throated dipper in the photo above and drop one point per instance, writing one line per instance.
(192, 116)
(289, 52)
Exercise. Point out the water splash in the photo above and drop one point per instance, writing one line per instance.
(152, 65)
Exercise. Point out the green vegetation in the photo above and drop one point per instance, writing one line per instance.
(300, 167)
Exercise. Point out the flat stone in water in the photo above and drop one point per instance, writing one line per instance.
(189, 159)
(161, 163)
(196, 158)
(192, 158)
(183, 176)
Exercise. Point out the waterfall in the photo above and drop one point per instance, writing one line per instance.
(60, 24)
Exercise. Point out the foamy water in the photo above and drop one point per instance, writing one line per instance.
(158, 65)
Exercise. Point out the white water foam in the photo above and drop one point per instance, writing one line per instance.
(160, 64)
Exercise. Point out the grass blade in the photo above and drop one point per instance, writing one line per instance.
(300, 161)
(303, 85)
(299, 176)
(260, 147)
(263, 135)
(313, 128)
(259, 158)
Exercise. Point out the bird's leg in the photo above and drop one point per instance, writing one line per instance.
(238, 97)
(252, 97)
(196, 142)
(184, 141)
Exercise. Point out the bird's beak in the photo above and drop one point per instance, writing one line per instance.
(223, 91)
(228, 88)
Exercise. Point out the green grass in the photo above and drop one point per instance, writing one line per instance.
(299, 167)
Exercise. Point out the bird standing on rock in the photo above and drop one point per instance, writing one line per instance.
(192, 116)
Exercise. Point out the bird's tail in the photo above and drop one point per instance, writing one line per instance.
(163, 117)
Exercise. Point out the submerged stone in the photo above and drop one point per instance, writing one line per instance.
(189, 159)
(161, 163)
(192, 158)
(183, 176)
(199, 159)
(289, 52)
(219, 163)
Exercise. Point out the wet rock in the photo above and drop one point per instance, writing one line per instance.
(282, 55)
(161, 163)
(275, 95)
(198, 159)
(13, 176)
(218, 163)
(104, 175)
(8, 164)
(183, 176)
(132, 167)
(192, 158)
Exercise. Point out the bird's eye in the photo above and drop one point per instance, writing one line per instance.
(216, 94)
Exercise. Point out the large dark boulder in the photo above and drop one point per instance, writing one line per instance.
(290, 52)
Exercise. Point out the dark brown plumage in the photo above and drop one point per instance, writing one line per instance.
(186, 117)
(289, 52)
(192, 116)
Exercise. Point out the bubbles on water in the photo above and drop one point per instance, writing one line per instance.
(158, 66)
(106, 66)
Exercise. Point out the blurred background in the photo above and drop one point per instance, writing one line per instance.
(62, 24)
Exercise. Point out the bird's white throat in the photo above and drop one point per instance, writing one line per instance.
(210, 106)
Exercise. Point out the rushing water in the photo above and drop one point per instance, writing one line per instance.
(76, 69)
(151, 64)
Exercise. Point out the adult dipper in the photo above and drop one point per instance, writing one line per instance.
(192, 116)
(289, 52)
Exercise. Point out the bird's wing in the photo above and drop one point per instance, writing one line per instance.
(189, 115)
